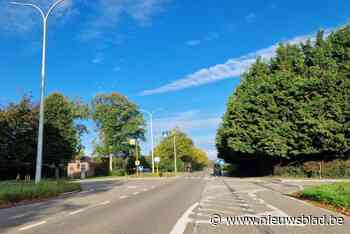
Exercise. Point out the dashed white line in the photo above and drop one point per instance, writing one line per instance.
(19, 216)
(145, 190)
(132, 187)
(123, 197)
(32, 225)
(76, 212)
(104, 203)
(135, 193)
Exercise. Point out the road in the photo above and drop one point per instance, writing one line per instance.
(174, 205)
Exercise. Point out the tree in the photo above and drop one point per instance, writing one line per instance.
(293, 107)
(117, 120)
(62, 133)
(185, 152)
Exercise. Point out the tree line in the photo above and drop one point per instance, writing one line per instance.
(116, 121)
(291, 108)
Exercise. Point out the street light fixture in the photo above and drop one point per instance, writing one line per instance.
(42, 91)
(152, 140)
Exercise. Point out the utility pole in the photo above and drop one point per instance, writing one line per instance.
(152, 140)
(42, 89)
(175, 167)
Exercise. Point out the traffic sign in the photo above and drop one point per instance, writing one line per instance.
(157, 159)
(132, 142)
(221, 162)
(137, 162)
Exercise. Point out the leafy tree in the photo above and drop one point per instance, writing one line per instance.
(293, 107)
(117, 120)
(185, 152)
(62, 133)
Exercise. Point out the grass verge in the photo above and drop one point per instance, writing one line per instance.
(12, 192)
(335, 196)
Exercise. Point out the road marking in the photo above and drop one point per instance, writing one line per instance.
(20, 216)
(181, 224)
(132, 187)
(123, 197)
(145, 190)
(84, 192)
(32, 225)
(135, 193)
(153, 187)
(76, 212)
(104, 203)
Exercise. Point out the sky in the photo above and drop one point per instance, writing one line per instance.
(179, 59)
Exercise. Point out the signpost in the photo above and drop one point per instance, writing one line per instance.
(157, 160)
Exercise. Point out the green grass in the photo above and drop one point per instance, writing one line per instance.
(13, 191)
(337, 194)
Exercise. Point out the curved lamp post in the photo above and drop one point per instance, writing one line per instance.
(42, 90)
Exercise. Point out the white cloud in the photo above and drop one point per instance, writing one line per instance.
(187, 121)
(201, 127)
(21, 19)
(116, 69)
(232, 68)
(97, 59)
(109, 13)
(250, 17)
(193, 42)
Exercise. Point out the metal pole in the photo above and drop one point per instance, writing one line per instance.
(137, 158)
(152, 143)
(42, 86)
(152, 140)
(175, 168)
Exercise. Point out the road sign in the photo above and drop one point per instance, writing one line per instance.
(157, 159)
(132, 142)
(221, 162)
(137, 162)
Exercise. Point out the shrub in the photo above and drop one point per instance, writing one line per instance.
(19, 191)
(289, 171)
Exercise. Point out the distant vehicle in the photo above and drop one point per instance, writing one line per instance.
(217, 170)
(146, 169)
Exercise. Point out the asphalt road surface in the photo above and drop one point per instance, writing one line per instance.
(177, 205)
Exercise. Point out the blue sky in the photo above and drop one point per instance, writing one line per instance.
(178, 58)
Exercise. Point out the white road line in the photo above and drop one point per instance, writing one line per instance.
(132, 187)
(123, 197)
(32, 225)
(83, 192)
(76, 212)
(145, 190)
(104, 203)
(180, 225)
(135, 193)
(20, 216)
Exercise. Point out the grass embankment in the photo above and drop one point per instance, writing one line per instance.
(335, 196)
(12, 192)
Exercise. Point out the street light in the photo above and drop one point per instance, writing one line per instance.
(42, 91)
(152, 143)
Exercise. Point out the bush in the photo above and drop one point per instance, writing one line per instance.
(337, 168)
(118, 172)
(289, 171)
(11, 192)
(337, 194)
